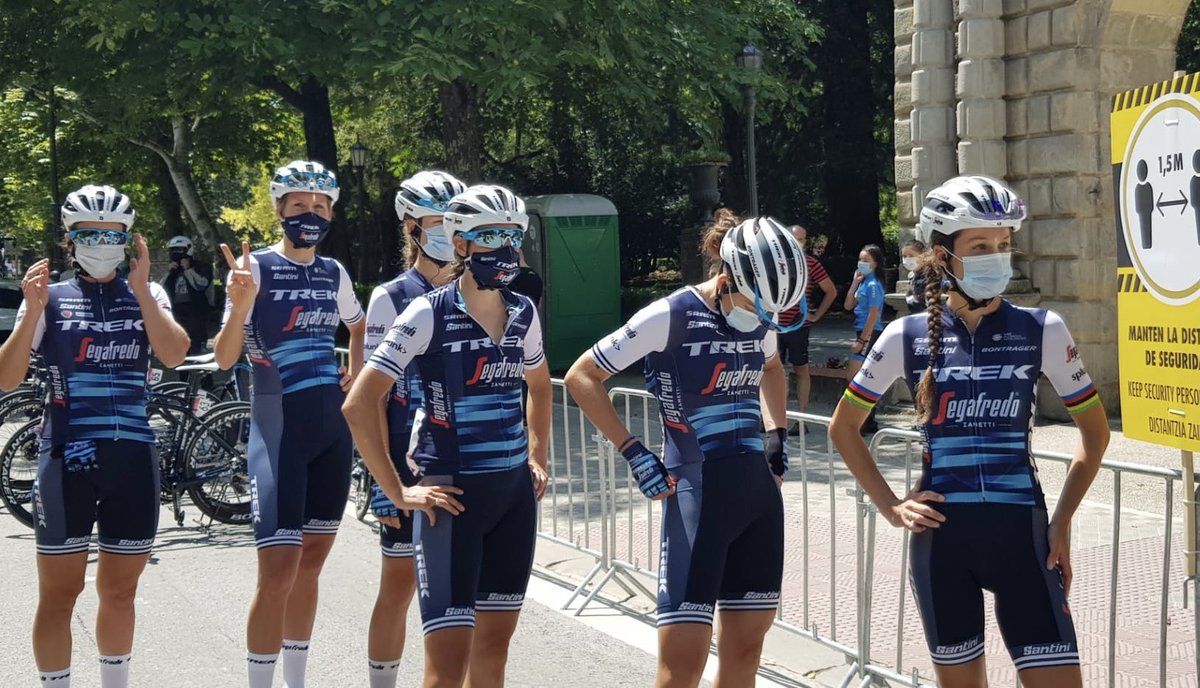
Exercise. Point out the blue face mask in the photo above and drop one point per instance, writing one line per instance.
(864, 267)
(306, 229)
(985, 277)
(495, 269)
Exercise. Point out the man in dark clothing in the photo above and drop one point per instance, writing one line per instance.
(528, 282)
(187, 284)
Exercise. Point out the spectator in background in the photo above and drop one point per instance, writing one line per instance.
(528, 282)
(793, 346)
(909, 255)
(865, 298)
(187, 284)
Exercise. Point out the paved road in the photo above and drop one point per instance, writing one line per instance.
(191, 609)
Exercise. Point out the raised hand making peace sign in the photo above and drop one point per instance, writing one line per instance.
(241, 289)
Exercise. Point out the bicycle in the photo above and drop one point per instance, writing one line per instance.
(201, 452)
(229, 390)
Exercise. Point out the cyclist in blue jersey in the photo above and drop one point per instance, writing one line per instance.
(420, 203)
(710, 359)
(978, 517)
(97, 466)
(472, 342)
(283, 307)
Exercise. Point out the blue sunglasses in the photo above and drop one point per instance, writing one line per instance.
(98, 237)
(495, 237)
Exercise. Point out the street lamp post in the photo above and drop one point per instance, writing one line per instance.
(358, 162)
(749, 60)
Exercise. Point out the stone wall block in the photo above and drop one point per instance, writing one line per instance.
(983, 157)
(981, 119)
(932, 13)
(1016, 77)
(1058, 69)
(1017, 117)
(981, 38)
(932, 86)
(902, 24)
(1064, 26)
(902, 61)
(902, 98)
(902, 136)
(932, 125)
(1035, 5)
(1042, 275)
(980, 78)
(1065, 195)
(1012, 7)
(1073, 112)
(1037, 35)
(932, 48)
(1039, 197)
(1018, 158)
(971, 9)
(1052, 236)
(1039, 114)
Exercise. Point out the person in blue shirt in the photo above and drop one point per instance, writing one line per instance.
(420, 203)
(978, 517)
(710, 358)
(865, 298)
(473, 343)
(97, 467)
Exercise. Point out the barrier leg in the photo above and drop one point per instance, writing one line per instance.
(849, 676)
(579, 588)
(595, 591)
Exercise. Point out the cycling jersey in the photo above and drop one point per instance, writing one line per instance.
(473, 436)
(96, 465)
(977, 455)
(868, 295)
(977, 444)
(722, 532)
(97, 353)
(299, 453)
(387, 301)
(471, 386)
(705, 375)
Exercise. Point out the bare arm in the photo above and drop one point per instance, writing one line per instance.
(829, 293)
(14, 354)
(1093, 441)
(872, 318)
(585, 382)
(358, 332)
(537, 412)
(241, 291)
(773, 394)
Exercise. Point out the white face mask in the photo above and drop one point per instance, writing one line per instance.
(910, 263)
(741, 319)
(437, 245)
(985, 277)
(100, 261)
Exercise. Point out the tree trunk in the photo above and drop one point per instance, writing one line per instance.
(570, 174)
(461, 136)
(851, 154)
(172, 208)
(180, 171)
(736, 193)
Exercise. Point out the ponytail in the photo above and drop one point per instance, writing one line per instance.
(710, 241)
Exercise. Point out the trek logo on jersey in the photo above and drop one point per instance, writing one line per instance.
(439, 410)
(94, 353)
(481, 343)
(110, 326)
(254, 500)
(485, 372)
(303, 320)
(749, 346)
(976, 408)
(662, 566)
(670, 403)
(304, 294)
(989, 372)
(723, 380)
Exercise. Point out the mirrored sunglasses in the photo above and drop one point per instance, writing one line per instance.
(99, 237)
(494, 237)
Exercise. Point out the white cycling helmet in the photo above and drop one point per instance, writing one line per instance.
(97, 204)
(426, 193)
(766, 263)
(180, 242)
(303, 175)
(967, 202)
(484, 205)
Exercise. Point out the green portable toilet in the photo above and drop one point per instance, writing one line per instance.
(573, 244)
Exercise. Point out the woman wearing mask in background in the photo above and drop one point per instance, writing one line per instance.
(97, 465)
(865, 298)
(910, 256)
(710, 358)
(283, 306)
(978, 516)
(420, 203)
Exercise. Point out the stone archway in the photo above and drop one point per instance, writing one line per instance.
(1021, 90)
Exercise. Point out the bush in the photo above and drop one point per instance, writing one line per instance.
(636, 296)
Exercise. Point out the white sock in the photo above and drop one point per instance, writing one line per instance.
(56, 679)
(383, 674)
(295, 661)
(114, 671)
(261, 669)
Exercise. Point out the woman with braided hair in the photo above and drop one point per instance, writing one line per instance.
(978, 517)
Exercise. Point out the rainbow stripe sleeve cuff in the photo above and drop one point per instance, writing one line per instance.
(1081, 400)
(860, 396)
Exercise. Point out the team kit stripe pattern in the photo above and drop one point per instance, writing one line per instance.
(304, 363)
(109, 406)
(1081, 400)
(860, 396)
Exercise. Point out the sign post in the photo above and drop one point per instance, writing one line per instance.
(1156, 184)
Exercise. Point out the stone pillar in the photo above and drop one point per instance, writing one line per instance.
(933, 100)
(981, 116)
(902, 103)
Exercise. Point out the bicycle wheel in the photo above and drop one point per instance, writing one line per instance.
(362, 488)
(215, 463)
(173, 388)
(18, 470)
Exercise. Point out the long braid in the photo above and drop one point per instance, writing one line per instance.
(927, 386)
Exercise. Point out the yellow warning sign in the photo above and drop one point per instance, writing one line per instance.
(1156, 181)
